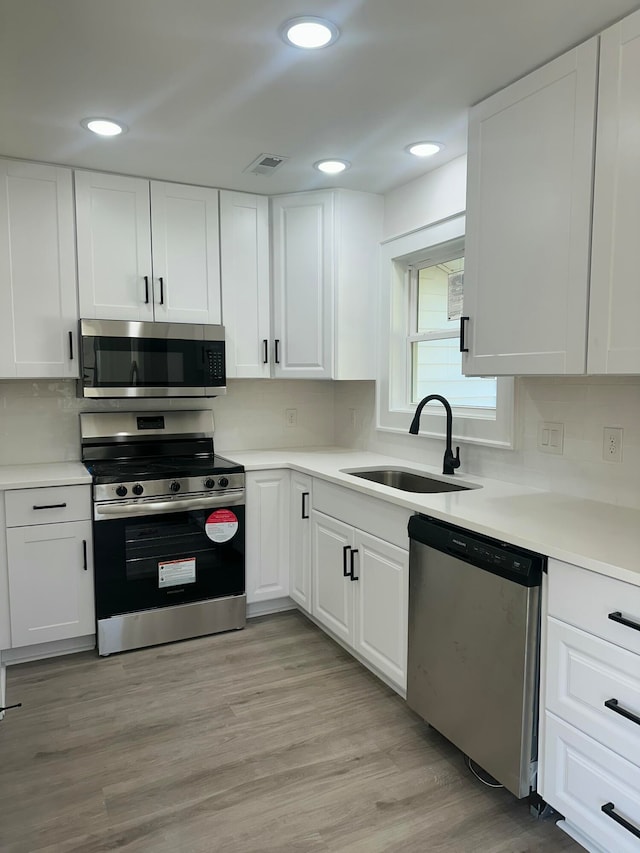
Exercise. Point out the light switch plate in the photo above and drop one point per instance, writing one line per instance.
(550, 437)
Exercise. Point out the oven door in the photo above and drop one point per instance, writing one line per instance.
(146, 560)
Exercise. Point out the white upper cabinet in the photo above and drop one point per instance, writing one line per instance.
(147, 251)
(244, 258)
(325, 265)
(38, 307)
(530, 167)
(614, 343)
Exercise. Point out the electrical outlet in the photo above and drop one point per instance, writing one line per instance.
(551, 437)
(612, 444)
(291, 417)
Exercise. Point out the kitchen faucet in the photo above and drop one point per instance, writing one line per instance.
(449, 462)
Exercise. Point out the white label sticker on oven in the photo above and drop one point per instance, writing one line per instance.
(177, 572)
(221, 525)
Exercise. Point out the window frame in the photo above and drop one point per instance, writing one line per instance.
(393, 413)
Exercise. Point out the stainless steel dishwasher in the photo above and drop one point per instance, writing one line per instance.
(473, 667)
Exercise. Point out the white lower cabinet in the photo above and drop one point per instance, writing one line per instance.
(300, 540)
(267, 547)
(590, 722)
(360, 593)
(50, 582)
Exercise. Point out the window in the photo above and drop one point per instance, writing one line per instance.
(421, 304)
(435, 304)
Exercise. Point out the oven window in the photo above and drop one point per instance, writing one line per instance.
(168, 559)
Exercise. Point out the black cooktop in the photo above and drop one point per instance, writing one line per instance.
(152, 468)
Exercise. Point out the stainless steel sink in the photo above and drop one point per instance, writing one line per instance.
(408, 481)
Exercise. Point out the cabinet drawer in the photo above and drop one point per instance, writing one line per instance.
(584, 672)
(48, 506)
(581, 777)
(589, 600)
(384, 520)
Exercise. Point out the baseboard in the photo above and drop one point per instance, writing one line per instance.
(39, 651)
(274, 605)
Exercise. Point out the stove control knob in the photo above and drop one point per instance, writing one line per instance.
(121, 491)
(209, 483)
(137, 489)
(175, 486)
(223, 482)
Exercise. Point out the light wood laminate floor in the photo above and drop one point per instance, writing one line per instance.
(266, 740)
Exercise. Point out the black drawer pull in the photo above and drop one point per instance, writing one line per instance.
(345, 570)
(10, 707)
(50, 506)
(612, 705)
(84, 554)
(463, 347)
(277, 351)
(161, 280)
(146, 290)
(265, 355)
(70, 346)
(608, 809)
(616, 616)
(351, 573)
(305, 512)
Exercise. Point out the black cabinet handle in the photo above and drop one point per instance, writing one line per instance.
(305, 512)
(50, 506)
(265, 354)
(463, 348)
(161, 280)
(345, 570)
(84, 554)
(608, 809)
(616, 616)
(9, 707)
(277, 351)
(612, 705)
(70, 346)
(146, 290)
(351, 573)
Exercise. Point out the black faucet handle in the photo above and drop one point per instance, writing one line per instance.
(455, 462)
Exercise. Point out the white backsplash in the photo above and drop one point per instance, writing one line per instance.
(39, 423)
(39, 419)
(585, 405)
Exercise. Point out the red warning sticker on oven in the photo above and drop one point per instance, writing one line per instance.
(221, 525)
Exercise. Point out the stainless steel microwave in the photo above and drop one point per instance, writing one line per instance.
(130, 359)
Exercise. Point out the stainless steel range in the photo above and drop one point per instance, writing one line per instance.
(168, 528)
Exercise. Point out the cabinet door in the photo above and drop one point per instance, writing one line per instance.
(529, 185)
(332, 597)
(38, 310)
(267, 567)
(244, 259)
(300, 540)
(50, 582)
(382, 603)
(303, 279)
(114, 247)
(614, 343)
(186, 253)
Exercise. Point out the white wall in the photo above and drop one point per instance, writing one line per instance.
(39, 419)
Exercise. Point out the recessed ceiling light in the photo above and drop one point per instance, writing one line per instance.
(104, 126)
(309, 32)
(331, 167)
(424, 149)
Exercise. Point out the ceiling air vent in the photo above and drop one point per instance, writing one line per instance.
(265, 164)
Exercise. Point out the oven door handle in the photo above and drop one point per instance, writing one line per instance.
(229, 498)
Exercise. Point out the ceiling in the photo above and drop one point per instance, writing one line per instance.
(205, 86)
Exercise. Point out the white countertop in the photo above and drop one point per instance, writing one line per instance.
(598, 536)
(43, 474)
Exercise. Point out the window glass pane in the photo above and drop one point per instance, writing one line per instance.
(437, 369)
(440, 296)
